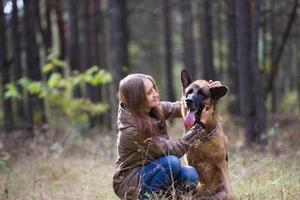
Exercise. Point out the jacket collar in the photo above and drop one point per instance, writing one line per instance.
(125, 118)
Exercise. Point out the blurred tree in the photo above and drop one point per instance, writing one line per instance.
(219, 23)
(187, 36)
(258, 86)
(35, 106)
(44, 23)
(7, 105)
(16, 54)
(234, 107)
(73, 41)
(91, 26)
(96, 27)
(119, 49)
(278, 49)
(207, 40)
(243, 24)
(169, 88)
(298, 75)
(61, 29)
(278, 54)
(86, 50)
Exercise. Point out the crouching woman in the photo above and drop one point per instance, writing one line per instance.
(148, 162)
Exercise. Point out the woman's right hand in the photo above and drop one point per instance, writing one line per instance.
(206, 114)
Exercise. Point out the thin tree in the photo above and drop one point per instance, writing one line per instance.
(168, 50)
(298, 75)
(61, 29)
(35, 106)
(4, 67)
(44, 23)
(119, 49)
(245, 75)
(17, 63)
(234, 107)
(73, 42)
(207, 41)
(187, 36)
(279, 52)
(259, 97)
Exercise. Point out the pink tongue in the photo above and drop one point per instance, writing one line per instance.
(189, 119)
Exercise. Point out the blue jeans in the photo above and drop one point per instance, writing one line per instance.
(158, 176)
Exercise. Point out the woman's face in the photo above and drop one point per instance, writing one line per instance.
(151, 93)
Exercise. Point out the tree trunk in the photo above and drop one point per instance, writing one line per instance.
(274, 45)
(207, 42)
(100, 54)
(298, 74)
(35, 106)
(168, 50)
(260, 110)
(85, 33)
(86, 48)
(187, 36)
(245, 76)
(17, 64)
(61, 30)
(276, 59)
(73, 42)
(119, 51)
(44, 23)
(220, 30)
(4, 67)
(234, 107)
(95, 26)
(92, 46)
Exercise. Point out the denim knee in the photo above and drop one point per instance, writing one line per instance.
(174, 164)
(189, 174)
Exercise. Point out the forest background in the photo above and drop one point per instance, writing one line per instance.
(61, 62)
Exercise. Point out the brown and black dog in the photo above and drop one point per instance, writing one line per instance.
(207, 155)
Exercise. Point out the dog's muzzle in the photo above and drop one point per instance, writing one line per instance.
(194, 104)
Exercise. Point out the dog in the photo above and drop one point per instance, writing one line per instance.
(207, 155)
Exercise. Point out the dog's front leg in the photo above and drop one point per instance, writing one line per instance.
(225, 180)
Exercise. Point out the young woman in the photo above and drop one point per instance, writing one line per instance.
(148, 162)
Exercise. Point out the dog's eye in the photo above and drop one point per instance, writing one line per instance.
(201, 92)
(190, 91)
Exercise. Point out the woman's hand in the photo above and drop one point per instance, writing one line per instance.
(213, 84)
(206, 114)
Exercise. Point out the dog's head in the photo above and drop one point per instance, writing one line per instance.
(196, 95)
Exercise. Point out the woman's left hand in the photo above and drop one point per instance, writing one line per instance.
(214, 84)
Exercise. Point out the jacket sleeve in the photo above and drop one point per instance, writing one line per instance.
(157, 146)
(171, 109)
(160, 146)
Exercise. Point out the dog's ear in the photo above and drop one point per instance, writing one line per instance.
(186, 80)
(218, 92)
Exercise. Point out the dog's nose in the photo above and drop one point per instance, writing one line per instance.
(189, 102)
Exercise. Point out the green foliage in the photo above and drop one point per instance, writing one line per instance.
(57, 92)
(54, 63)
(12, 92)
(289, 103)
(4, 158)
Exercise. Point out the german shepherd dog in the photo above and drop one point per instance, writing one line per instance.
(207, 155)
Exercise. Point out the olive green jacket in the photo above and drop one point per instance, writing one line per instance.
(136, 151)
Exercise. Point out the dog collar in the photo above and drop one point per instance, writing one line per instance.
(212, 133)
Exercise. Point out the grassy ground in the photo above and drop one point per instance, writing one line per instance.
(83, 169)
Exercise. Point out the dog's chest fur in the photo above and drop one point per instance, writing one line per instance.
(211, 150)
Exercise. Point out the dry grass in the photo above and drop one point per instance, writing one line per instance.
(63, 178)
(83, 169)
